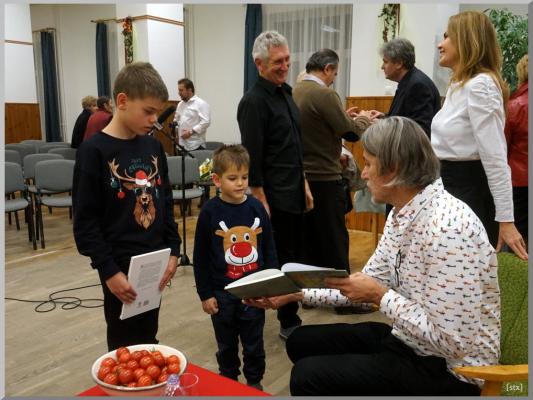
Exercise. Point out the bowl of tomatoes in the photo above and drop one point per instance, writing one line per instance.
(139, 370)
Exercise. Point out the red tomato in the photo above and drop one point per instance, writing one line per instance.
(108, 361)
(125, 376)
(138, 373)
(164, 370)
(154, 371)
(136, 355)
(159, 360)
(156, 353)
(173, 359)
(132, 364)
(121, 350)
(120, 367)
(162, 378)
(145, 380)
(145, 352)
(132, 384)
(103, 371)
(124, 358)
(173, 368)
(111, 378)
(146, 361)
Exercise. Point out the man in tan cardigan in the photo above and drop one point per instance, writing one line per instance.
(324, 123)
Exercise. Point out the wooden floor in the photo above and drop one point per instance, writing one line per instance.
(50, 353)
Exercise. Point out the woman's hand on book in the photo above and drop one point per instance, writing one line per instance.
(358, 287)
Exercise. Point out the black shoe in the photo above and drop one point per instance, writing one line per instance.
(257, 385)
(360, 308)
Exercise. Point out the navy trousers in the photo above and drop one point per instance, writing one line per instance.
(235, 320)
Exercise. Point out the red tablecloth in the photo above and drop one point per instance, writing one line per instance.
(210, 384)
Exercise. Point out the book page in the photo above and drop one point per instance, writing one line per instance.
(269, 282)
(309, 276)
(290, 267)
(145, 273)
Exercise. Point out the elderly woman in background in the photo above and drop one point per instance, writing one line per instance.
(89, 106)
(516, 134)
(467, 133)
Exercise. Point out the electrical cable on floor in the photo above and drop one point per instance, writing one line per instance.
(66, 305)
(68, 302)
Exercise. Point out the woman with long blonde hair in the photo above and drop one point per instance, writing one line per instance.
(467, 134)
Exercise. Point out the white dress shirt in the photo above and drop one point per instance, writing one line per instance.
(441, 271)
(194, 114)
(469, 126)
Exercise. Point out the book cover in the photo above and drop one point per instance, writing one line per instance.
(145, 273)
(291, 279)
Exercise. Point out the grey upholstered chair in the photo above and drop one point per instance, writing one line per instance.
(54, 176)
(213, 145)
(12, 156)
(67, 152)
(53, 145)
(192, 175)
(14, 183)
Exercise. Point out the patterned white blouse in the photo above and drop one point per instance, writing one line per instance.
(441, 271)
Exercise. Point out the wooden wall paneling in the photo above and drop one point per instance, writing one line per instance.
(365, 221)
(22, 121)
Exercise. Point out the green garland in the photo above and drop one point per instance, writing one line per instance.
(391, 15)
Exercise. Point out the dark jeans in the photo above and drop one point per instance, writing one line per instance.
(520, 198)
(234, 320)
(365, 359)
(325, 234)
(467, 181)
(287, 229)
(139, 329)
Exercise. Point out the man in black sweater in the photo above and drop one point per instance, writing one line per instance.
(269, 122)
(416, 97)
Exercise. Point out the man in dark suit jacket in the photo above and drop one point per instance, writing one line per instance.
(416, 97)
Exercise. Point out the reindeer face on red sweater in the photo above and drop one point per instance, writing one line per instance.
(143, 185)
(240, 248)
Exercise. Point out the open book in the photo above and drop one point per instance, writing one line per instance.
(273, 282)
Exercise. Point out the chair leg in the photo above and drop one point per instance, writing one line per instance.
(40, 223)
(9, 218)
(17, 220)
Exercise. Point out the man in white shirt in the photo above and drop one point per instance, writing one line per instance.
(193, 117)
(433, 274)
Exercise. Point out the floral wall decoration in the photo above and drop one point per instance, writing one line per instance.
(391, 21)
(127, 32)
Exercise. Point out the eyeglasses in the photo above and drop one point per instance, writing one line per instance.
(397, 264)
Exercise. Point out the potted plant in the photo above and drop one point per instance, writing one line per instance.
(512, 31)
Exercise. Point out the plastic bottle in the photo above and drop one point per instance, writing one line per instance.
(173, 383)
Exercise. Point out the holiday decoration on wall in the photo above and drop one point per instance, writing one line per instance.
(391, 21)
(127, 32)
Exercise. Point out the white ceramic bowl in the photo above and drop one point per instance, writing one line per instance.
(153, 390)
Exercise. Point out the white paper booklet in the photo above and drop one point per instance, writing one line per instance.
(146, 271)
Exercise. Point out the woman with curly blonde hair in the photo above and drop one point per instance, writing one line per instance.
(467, 134)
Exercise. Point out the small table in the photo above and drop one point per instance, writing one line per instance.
(210, 384)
